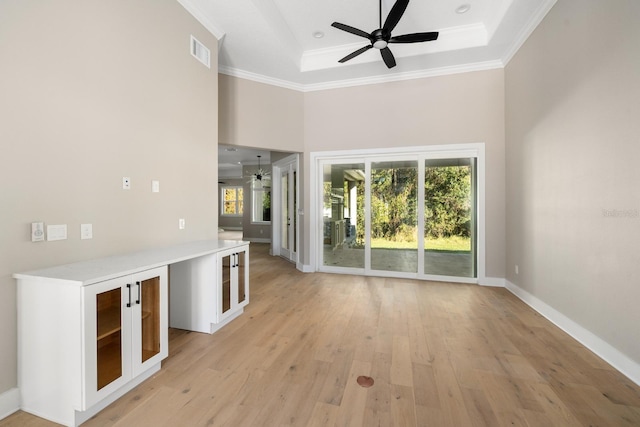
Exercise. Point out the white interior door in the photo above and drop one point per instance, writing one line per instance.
(285, 208)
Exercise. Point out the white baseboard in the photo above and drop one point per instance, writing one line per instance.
(496, 282)
(606, 351)
(305, 268)
(256, 239)
(9, 402)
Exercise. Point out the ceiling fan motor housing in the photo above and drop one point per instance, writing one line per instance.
(380, 38)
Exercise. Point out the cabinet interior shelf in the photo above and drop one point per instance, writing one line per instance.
(109, 321)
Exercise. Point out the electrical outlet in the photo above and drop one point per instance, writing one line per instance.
(86, 231)
(155, 186)
(181, 224)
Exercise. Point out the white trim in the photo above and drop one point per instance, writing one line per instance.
(259, 78)
(256, 239)
(442, 71)
(411, 75)
(495, 282)
(524, 34)
(305, 268)
(9, 402)
(203, 19)
(366, 156)
(606, 351)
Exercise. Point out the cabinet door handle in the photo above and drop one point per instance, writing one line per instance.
(139, 286)
(129, 288)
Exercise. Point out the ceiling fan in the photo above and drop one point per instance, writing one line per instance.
(381, 37)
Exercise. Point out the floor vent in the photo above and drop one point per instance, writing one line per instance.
(200, 52)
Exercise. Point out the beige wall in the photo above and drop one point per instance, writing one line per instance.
(92, 91)
(259, 115)
(455, 109)
(573, 200)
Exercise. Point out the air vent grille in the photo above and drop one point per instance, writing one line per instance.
(200, 52)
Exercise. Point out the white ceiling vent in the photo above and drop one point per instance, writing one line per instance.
(200, 52)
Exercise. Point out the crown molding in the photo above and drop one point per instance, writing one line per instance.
(524, 34)
(259, 78)
(443, 71)
(411, 75)
(202, 18)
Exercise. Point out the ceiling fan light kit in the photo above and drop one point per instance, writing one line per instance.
(381, 37)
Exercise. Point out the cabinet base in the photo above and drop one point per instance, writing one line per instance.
(216, 326)
(75, 418)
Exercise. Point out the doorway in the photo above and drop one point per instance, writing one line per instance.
(414, 214)
(285, 208)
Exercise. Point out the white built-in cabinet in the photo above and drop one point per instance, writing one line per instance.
(221, 296)
(91, 331)
(126, 330)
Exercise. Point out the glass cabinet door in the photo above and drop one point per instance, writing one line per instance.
(149, 327)
(226, 282)
(108, 336)
(242, 293)
(150, 306)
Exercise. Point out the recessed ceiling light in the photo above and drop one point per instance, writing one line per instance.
(463, 8)
(318, 34)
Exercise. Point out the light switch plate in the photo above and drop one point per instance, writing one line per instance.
(155, 186)
(56, 232)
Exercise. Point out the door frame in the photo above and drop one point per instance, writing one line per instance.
(290, 163)
(317, 159)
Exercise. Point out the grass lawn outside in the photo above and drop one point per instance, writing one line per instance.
(448, 244)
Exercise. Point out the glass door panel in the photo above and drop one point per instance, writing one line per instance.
(295, 211)
(394, 216)
(242, 294)
(449, 232)
(109, 336)
(343, 215)
(226, 283)
(150, 300)
(284, 209)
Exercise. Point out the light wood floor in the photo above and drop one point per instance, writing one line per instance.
(440, 355)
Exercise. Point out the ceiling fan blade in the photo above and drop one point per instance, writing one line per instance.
(350, 29)
(394, 15)
(356, 53)
(388, 58)
(415, 37)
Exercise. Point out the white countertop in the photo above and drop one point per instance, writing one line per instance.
(97, 270)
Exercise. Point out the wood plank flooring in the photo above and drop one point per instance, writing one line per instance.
(440, 355)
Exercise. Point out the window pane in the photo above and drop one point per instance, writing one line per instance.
(261, 211)
(230, 208)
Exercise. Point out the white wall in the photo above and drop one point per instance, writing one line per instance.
(92, 91)
(572, 153)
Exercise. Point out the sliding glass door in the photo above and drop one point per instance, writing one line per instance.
(409, 215)
(394, 216)
(343, 222)
(449, 220)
